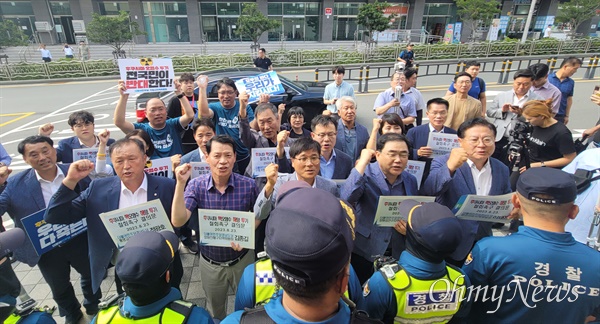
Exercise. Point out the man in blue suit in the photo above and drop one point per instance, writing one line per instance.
(469, 169)
(82, 124)
(351, 136)
(366, 183)
(131, 187)
(29, 192)
(437, 112)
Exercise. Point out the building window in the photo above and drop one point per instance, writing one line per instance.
(21, 8)
(345, 25)
(220, 20)
(166, 22)
(60, 8)
(112, 8)
(437, 15)
(300, 21)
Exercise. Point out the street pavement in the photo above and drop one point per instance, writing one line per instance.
(23, 108)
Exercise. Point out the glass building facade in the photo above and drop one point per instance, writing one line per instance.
(21, 13)
(166, 22)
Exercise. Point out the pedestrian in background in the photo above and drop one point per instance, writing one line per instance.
(46, 55)
(68, 52)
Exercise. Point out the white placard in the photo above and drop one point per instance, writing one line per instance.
(261, 157)
(493, 209)
(199, 168)
(221, 227)
(388, 213)
(147, 74)
(124, 223)
(263, 83)
(162, 167)
(416, 168)
(85, 153)
(442, 143)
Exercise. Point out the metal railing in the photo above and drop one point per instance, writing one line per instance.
(334, 56)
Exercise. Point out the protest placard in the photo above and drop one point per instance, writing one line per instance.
(147, 74)
(199, 168)
(162, 167)
(85, 154)
(388, 213)
(263, 83)
(124, 223)
(493, 209)
(261, 157)
(45, 237)
(442, 143)
(221, 227)
(416, 168)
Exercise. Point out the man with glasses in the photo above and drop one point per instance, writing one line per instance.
(352, 137)
(469, 169)
(305, 156)
(164, 133)
(437, 112)
(462, 106)
(366, 183)
(506, 110)
(82, 124)
(389, 102)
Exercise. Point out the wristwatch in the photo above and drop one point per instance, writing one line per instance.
(543, 164)
(180, 96)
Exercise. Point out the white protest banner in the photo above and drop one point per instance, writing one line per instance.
(263, 83)
(261, 157)
(147, 74)
(124, 223)
(416, 168)
(85, 154)
(160, 167)
(493, 209)
(221, 227)
(199, 168)
(442, 143)
(388, 213)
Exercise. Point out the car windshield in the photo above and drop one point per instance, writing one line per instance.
(297, 84)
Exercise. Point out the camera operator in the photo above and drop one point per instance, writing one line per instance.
(551, 142)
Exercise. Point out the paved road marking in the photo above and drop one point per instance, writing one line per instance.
(21, 116)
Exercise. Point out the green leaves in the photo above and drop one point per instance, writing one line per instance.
(474, 11)
(11, 34)
(576, 12)
(113, 31)
(252, 22)
(370, 15)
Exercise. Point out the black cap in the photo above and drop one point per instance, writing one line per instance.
(436, 228)
(11, 240)
(309, 236)
(146, 257)
(557, 186)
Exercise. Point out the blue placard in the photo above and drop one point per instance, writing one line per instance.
(263, 83)
(45, 237)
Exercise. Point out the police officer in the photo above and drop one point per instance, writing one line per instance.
(309, 238)
(257, 285)
(421, 287)
(555, 278)
(144, 267)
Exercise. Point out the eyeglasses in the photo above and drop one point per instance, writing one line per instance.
(487, 141)
(464, 82)
(312, 159)
(223, 93)
(323, 135)
(82, 125)
(439, 113)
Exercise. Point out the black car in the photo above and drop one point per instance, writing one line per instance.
(306, 94)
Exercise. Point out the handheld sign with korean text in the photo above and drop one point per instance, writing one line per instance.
(45, 236)
(221, 227)
(388, 213)
(162, 167)
(199, 168)
(442, 143)
(262, 157)
(416, 168)
(495, 209)
(124, 223)
(268, 83)
(85, 154)
(147, 74)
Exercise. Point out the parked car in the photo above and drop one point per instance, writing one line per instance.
(306, 94)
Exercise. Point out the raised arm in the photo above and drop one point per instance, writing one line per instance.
(188, 115)
(179, 213)
(203, 109)
(119, 117)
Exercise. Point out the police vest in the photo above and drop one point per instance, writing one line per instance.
(265, 286)
(175, 313)
(425, 301)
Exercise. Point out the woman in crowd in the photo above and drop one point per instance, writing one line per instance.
(295, 123)
(389, 123)
(142, 136)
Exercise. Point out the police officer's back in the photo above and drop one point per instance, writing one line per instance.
(553, 278)
(309, 238)
(421, 287)
(144, 268)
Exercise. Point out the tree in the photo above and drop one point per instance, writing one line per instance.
(113, 31)
(473, 12)
(252, 23)
(11, 34)
(576, 12)
(372, 18)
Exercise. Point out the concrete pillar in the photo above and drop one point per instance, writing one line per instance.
(137, 15)
(41, 10)
(326, 33)
(547, 8)
(415, 14)
(263, 6)
(194, 25)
